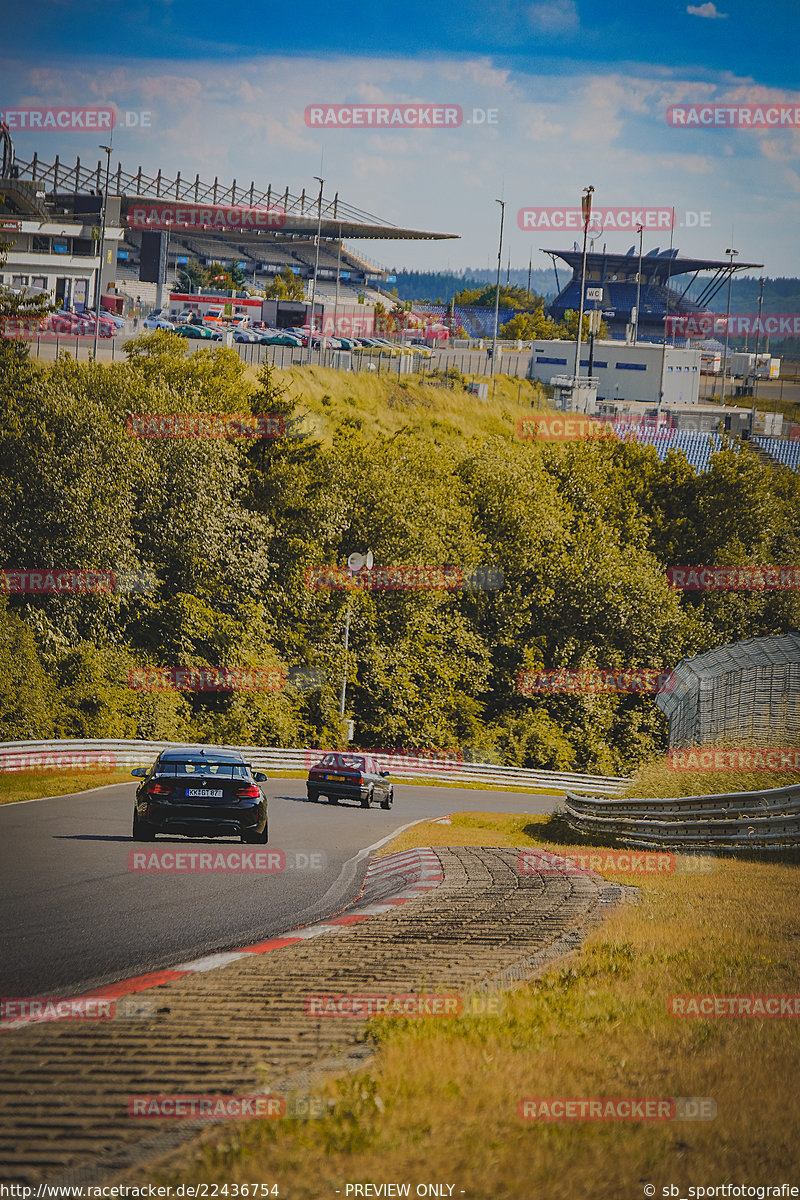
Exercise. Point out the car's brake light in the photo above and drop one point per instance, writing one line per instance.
(157, 789)
(248, 793)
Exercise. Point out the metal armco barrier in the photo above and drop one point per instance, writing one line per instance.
(763, 820)
(27, 756)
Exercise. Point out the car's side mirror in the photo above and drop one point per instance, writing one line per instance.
(139, 772)
(384, 773)
(260, 777)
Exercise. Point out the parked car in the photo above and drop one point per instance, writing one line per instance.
(342, 776)
(155, 321)
(197, 332)
(281, 338)
(243, 334)
(200, 793)
(117, 321)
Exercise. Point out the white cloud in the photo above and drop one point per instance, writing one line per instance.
(706, 10)
(553, 17)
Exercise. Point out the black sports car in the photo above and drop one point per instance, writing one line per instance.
(200, 793)
(341, 776)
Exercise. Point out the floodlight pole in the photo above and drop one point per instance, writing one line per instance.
(351, 573)
(502, 204)
(321, 183)
(99, 287)
(755, 368)
(586, 206)
(338, 272)
(346, 647)
(727, 324)
(640, 231)
(666, 323)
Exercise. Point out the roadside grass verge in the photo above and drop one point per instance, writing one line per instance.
(660, 779)
(439, 1102)
(33, 785)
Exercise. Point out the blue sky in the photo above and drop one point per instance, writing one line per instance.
(579, 92)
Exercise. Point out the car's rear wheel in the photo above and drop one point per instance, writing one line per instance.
(333, 799)
(253, 838)
(388, 799)
(141, 831)
(366, 801)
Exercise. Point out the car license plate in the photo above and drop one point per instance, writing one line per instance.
(335, 778)
(210, 793)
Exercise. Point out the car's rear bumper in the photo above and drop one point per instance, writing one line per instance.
(341, 791)
(203, 819)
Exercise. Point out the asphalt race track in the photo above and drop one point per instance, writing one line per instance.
(75, 917)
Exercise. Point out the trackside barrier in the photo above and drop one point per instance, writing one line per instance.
(763, 820)
(45, 755)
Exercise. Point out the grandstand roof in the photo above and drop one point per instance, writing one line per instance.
(655, 261)
(338, 218)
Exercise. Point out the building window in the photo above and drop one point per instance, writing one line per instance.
(559, 362)
(41, 245)
(19, 280)
(39, 281)
(623, 366)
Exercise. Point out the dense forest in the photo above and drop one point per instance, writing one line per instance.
(226, 529)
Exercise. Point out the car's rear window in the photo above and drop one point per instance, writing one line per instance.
(347, 762)
(218, 770)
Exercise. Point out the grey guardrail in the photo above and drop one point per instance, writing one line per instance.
(763, 820)
(91, 752)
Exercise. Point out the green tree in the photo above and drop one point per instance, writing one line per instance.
(286, 286)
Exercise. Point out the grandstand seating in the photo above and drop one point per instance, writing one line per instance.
(781, 451)
(698, 447)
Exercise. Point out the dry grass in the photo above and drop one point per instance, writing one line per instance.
(33, 785)
(384, 404)
(660, 779)
(439, 1103)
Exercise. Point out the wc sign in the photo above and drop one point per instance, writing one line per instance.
(594, 293)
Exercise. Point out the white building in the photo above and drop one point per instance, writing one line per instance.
(59, 252)
(624, 372)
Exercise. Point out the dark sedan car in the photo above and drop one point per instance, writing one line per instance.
(341, 776)
(200, 793)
